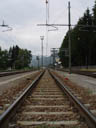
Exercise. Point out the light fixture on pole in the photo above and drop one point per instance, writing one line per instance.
(6, 26)
(42, 38)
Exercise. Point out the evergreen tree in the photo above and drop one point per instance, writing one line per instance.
(15, 58)
(93, 40)
(81, 47)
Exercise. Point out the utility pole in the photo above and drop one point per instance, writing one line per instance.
(69, 27)
(47, 22)
(69, 19)
(42, 38)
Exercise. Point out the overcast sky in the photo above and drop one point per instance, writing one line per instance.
(24, 15)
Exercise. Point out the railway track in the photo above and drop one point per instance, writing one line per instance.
(2, 74)
(44, 105)
(86, 73)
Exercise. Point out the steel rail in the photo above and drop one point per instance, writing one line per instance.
(88, 116)
(85, 73)
(12, 73)
(11, 111)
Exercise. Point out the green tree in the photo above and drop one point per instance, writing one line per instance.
(15, 58)
(80, 42)
(3, 59)
(24, 59)
(93, 39)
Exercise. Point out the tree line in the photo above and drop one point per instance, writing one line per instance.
(83, 41)
(15, 58)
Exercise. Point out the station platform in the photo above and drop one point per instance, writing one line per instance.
(81, 80)
(13, 80)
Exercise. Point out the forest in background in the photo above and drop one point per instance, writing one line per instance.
(83, 41)
(15, 58)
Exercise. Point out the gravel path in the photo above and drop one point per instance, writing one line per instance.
(14, 80)
(81, 80)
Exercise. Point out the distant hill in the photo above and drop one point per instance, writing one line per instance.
(46, 61)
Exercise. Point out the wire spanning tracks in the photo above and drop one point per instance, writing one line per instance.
(46, 107)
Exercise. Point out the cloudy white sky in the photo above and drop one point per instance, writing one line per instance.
(24, 15)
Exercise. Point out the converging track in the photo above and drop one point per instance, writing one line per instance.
(46, 106)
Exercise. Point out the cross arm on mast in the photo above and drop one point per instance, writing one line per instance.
(60, 25)
(6, 26)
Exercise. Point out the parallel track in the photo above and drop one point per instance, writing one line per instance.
(86, 73)
(2, 74)
(46, 100)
